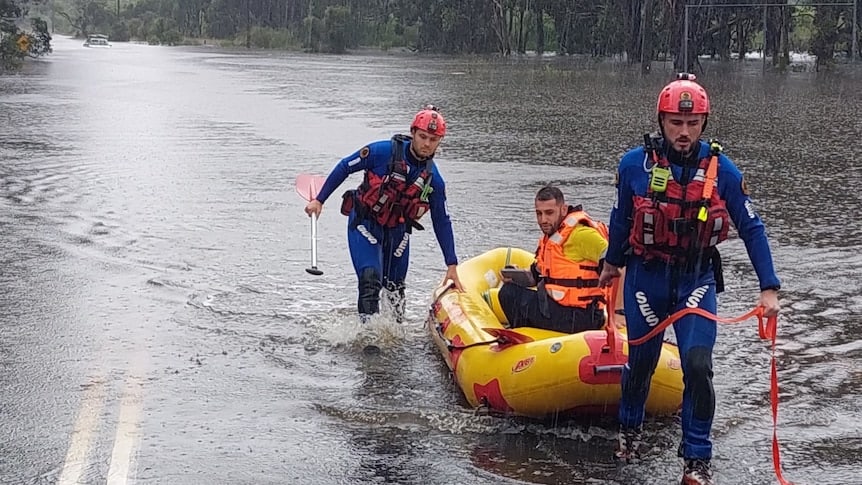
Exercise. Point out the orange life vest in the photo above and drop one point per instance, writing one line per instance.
(675, 224)
(570, 283)
(394, 199)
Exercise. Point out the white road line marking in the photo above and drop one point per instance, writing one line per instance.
(128, 430)
(85, 426)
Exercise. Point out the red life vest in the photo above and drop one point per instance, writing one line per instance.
(674, 223)
(394, 199)
(570, 283)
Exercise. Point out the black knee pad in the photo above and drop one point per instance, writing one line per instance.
(698, 378)
(369, 291)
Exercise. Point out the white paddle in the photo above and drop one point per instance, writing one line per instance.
(307, 186)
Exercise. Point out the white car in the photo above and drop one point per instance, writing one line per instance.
(97, 40)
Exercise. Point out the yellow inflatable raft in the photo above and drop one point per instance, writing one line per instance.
(529, 371)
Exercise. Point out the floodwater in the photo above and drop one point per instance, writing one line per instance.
(159, 328)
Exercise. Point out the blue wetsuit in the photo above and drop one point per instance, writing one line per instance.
(653, 290)
(380, 255)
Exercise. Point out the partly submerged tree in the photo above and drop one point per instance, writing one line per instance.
(17, 44)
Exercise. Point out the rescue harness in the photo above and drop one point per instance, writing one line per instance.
(392, 199)
(678, 223)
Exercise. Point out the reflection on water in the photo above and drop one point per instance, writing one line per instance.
(148, 221)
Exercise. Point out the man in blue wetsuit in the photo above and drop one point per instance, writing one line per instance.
(401, 183)
(674, 198)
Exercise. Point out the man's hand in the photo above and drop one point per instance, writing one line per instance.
(609, 272)
(313, 207)
(452, 274)
(769, 302)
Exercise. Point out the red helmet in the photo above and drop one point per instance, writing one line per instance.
(429, 120)
(683, 96)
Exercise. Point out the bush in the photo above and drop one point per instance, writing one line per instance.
(136, 29)
(171, 37)
(120, 32)
(312, 28)
(268, 38)
(337, 22)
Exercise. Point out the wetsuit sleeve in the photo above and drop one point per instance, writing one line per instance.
(748, 224)
(621, 214)
(356, 161)
(585, 244)
(440, 219)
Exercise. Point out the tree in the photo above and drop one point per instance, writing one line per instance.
(88, 16)
(638, 30)
(17, 44)
(337, 21)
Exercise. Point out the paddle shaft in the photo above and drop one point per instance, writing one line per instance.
(307, 186)
(313, 269)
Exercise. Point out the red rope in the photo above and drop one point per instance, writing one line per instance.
(767, 331)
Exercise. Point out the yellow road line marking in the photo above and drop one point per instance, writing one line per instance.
(128, 430)
(85, 426)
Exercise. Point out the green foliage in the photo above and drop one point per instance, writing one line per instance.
(336, 21)
(803, 29)
(40, 39)
(120, 32)
(826, 34)
(313, 33)
(269, 38)
(595, 27)
(390, 34)
(17, 44)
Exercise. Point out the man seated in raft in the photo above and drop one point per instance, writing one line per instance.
(567, 297)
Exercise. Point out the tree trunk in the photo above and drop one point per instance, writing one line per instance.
(633, 23)
(825, 36)
(501, 29)
(540, 29)
(646, 49)
(724, 34)
(785, 37)
(522, 42)
(677, 26)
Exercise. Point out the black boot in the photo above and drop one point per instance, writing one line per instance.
(369, 293)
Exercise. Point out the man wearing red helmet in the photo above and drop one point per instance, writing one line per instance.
(675, 197)
(401, 183)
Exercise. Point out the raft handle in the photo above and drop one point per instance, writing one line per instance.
(608, 368)
(483, 409)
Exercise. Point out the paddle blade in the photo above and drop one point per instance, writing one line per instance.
(308, 185)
